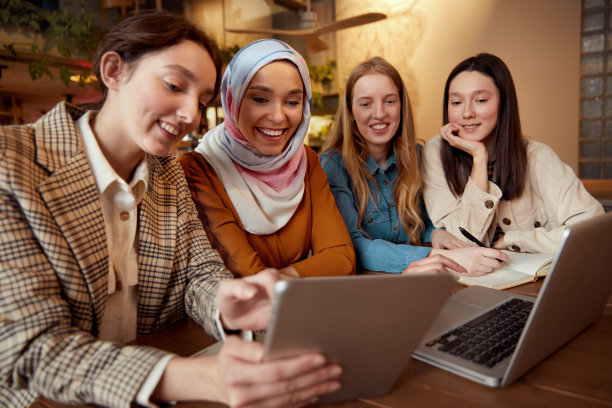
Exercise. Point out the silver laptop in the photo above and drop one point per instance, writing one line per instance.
(369, 324)
(572, 297)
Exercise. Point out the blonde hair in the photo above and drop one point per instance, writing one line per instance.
(345, 138)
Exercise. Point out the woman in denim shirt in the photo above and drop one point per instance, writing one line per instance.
(375, 178)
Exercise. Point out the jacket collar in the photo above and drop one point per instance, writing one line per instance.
(372, 166)
(55, 136)
(72, 198)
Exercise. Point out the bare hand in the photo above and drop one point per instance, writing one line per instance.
(450, 133)
(237, 376)
(443, 239)
(434, 263)
(245, 303)
(291, 382)
(476, 260)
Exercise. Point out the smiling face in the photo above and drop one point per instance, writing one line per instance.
(161, 96)
(376, 107)
(271, 108)
(473, 104)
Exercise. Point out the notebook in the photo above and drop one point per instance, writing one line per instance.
(522, 268)
(572, 297)
(369, 324)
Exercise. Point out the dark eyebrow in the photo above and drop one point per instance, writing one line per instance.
(267, 89)
(189, 75)
(478, 91)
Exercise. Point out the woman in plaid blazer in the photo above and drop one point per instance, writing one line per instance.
(64, 267)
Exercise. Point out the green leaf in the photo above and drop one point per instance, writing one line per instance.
(36, 69)
(5, 15)
(65, 75)
(63, 49)
(317, 99)
(34, 25)
(76, 29)
(51, 18)
(57, 30)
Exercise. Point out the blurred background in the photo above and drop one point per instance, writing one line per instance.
(559, 52)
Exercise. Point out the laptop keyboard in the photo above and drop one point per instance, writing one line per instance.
(490, 337)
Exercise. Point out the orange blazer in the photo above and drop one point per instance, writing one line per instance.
(316, 228)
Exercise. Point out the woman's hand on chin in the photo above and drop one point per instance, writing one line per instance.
(450, 131)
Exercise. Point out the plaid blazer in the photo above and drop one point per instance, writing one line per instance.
(54, 268)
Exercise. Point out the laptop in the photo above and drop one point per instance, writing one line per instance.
(572, 297)
(369, 324)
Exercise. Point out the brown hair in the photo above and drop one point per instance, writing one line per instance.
(150, 31)
(510, 151)
(346, 139)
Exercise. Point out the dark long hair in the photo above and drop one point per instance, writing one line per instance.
(150, 31)
(510, 151)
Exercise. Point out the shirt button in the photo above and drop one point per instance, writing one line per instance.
(489, 204)
(391, 205)
(515, 248)
(369, 220)
(507, 221)
(124, 215)
(537, 224)
(385, 182)
(395, 228)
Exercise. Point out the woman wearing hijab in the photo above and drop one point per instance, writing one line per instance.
(260, 192)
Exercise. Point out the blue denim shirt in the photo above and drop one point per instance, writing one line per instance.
(387, 248)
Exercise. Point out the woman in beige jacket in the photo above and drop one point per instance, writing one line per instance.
(482, 175)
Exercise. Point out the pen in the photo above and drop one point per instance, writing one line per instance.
(475, 240)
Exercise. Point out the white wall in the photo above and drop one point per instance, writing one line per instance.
(538, 40)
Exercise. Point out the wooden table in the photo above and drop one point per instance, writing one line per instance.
(578, 375)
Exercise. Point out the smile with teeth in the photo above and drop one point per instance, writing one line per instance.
(379, 126)
(271, 132)
(168, 128)
(468, 127)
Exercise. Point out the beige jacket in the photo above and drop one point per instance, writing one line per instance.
(553, 199)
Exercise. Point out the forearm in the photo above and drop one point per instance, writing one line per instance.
(205, 271)
(475, 211)
(333, 260)
(385, 256)
(479, 173)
